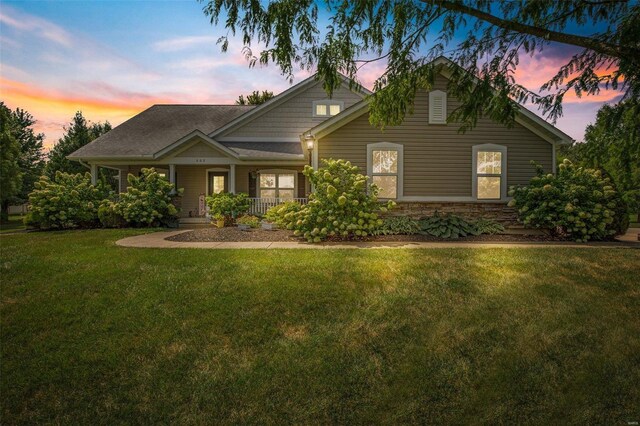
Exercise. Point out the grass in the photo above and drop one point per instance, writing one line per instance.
(94, 331)
(15, 224)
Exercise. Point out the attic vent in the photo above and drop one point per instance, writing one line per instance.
(437, 107)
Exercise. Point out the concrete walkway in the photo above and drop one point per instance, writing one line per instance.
(158, 240)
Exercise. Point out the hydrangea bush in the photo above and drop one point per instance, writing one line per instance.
(148, 200)
(579, 203)
(67, 201)
(283, 214)
(342, 205)
(228, 205)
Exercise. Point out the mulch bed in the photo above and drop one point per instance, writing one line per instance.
(214, 234)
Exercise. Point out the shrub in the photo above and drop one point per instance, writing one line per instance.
(282, 214)
(447, 226)
(252, 221)
(148, 200)
(398, 225)
(67, 201)
(488, 226)
(342, 204)
(578, 203)
(109, 216)
(228, 205)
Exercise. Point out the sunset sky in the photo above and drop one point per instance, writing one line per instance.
(112, 59)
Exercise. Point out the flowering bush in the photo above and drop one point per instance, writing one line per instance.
(67, 201)
(577, 202)
(252, 221)
(342, 204)
(109, 216)
(282, 214)
(228, 205)
(148, 200)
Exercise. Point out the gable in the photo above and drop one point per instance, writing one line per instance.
(201, 149)
(288, 119)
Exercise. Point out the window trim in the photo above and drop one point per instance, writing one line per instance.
(328, 103)
(432, 95)
(489, 147)
(387, 146)
(277, 189)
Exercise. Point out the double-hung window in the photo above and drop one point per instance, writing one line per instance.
(384, 166)
(489, 172)
(277, 185)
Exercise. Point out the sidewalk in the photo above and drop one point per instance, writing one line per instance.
(158, 240)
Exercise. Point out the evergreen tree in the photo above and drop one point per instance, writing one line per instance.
(10, 174)
(255, 98)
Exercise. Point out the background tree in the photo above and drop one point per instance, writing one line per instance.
(410, 34)
(10, 174)
(79, 133)
(612, 144)
(255, 98)
(31, 161)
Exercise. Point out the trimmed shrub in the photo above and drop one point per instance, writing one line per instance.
(228, 205)
(342, 205)
(67, 201)
(577, 203)
(148, 200)
(398, 225)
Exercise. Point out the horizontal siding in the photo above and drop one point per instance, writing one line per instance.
(438, 159)
(193, 179)
(294, 116)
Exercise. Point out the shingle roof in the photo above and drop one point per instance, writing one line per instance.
(283, 150)
(158, 127)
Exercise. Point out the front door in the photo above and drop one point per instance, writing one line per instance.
(218, 182)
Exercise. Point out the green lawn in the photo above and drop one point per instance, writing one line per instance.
(92, 332)
(15, 224)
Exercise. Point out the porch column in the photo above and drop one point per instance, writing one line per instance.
(232, 178)
(172, 174)
(94, 174)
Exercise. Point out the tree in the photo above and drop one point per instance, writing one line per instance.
(612, 144)
(255, 98)
(31, 161)
(79, 133)
(10, 174)
(411, 34)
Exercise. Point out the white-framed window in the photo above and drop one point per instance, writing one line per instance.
(385, 168)
(489, 172)
(277, 184)
(327, 108)
(437, 107)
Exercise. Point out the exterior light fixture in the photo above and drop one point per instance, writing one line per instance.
(310, 140)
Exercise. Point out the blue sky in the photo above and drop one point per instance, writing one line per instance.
(112, 59)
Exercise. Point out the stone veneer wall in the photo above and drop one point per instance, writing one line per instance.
(496, 211)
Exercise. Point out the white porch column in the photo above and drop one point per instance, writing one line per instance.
(232, 178)
(172, 174)
(94, 174)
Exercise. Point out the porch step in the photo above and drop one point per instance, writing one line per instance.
(193, 220)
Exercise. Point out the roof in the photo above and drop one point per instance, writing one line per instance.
(267, 150)
(157, 128)
(525, 117)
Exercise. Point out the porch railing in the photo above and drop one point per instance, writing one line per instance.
(261, 205)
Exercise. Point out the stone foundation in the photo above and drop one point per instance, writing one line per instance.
(471, 211)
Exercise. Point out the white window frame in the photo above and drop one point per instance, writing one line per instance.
(387, 146)
(432, 96)
(328, 103)
(278, 172)
(489, 147)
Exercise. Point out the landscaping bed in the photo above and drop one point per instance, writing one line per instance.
(214, 234)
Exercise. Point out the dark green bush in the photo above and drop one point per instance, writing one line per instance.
(228, 205)
(488, 226)
(109, 216)
(446, 226)
(398, 225)
(578, 203)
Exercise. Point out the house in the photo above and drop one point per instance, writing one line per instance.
(424, 163)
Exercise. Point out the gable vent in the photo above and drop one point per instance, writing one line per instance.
(437, 107)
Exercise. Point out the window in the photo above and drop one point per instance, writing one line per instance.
(437, 107)
(277, 185)
(384, 166)
(489, 164)
(327, 108)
